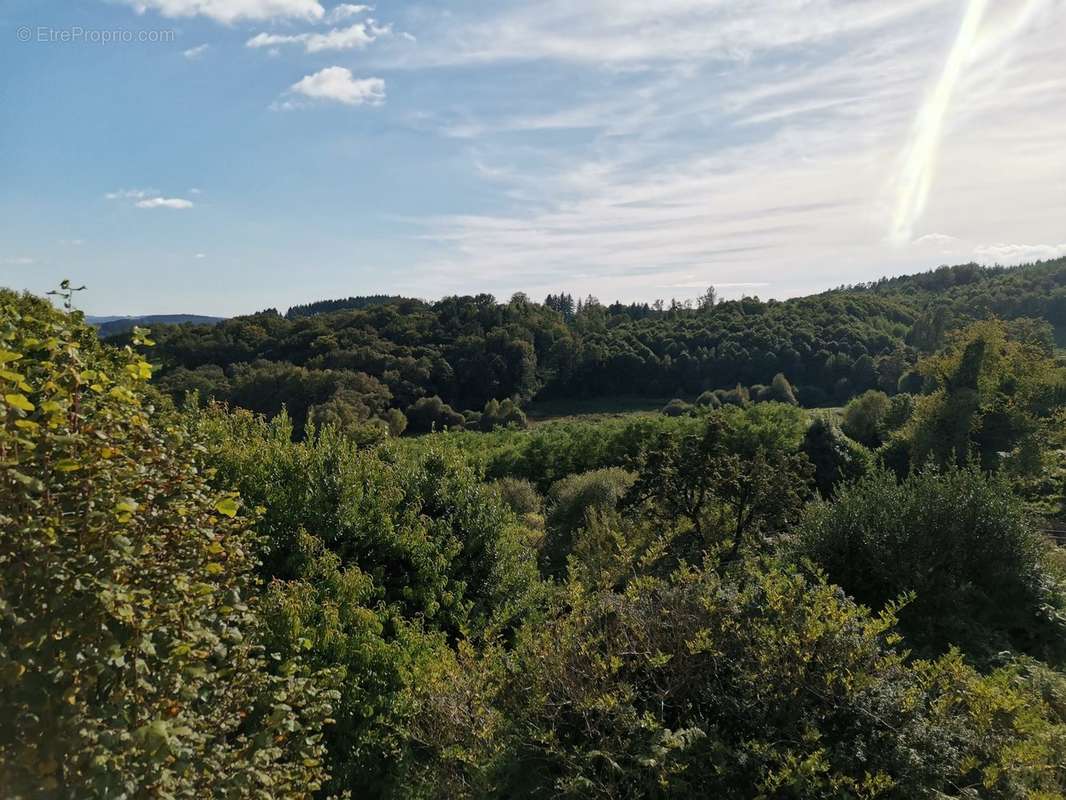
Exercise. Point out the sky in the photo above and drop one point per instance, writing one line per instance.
(226, 156)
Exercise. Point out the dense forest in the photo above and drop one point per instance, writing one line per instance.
(346, 567)
(388, 364)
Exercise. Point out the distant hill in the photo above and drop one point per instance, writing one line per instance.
(112, 326)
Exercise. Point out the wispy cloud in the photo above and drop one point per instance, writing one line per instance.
(346, 11)
(709, 142)
(1008, 254)
(229, 11)
(149, 198)
(175, 203)
(193, 53)
(130, 194)
(334, 84)
(354, 37)
(17, 261)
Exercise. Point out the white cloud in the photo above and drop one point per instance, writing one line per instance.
(130, 194)
(176, 203)
(199, 256)
(230, 11)
(941, 239)
(19, 261)
(194, 53)
(354, 37)
(336, 84)
(346, 11)
(636, 32)
(1009, 254)
(150, 198)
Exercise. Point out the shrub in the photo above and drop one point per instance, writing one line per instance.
(865, 417)
(676, 408)
(781, 390)
(130, 656)
(835, 457)
(761, 683)
(959, 540)
(708, 400)
(431, 413)
(570, 501)
(520, 495)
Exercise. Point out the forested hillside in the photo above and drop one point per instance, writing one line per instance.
(400, 363)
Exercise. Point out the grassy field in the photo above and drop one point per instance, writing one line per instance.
(550, 410)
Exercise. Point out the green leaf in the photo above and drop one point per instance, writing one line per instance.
(227, 506)
(19, 401)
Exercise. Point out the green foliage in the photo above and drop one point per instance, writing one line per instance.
(719, 484)
(866, 417)
(520, 495)
(131, 658)
(333, 616)
(676, 408)
(959, 540)
(381, 563)
(432, 414)
(991, 399)
(687, 643)
(762, 683)
(571, 502)
(781, 391)
(709, 399)
(835, 457)
(502, 415)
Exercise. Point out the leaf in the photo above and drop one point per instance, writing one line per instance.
(227, 506)
(33, 484)
(19, 401)
(6, 356)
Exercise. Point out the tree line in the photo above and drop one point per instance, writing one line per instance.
(367, 362)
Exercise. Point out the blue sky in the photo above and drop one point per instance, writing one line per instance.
(223, 156)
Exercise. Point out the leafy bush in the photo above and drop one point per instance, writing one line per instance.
(763, 683)
(992, 398)
(676, 408)
(865, 417)
(432, 413)
(570, 501)
(130, 654)
(959, 540)
(835, 457)
(519, 495)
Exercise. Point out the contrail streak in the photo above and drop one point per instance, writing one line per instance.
(916, 175)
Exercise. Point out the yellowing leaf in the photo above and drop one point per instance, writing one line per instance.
(227, 506)
(19, 401)
(7, 356)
